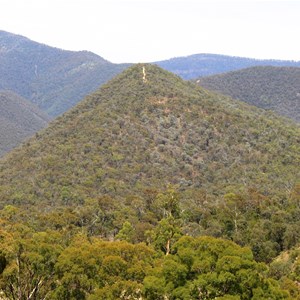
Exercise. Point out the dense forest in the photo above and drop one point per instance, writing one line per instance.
(153, 188)
(201, 65)
(53, 265)
(272, 88)
(19, 119)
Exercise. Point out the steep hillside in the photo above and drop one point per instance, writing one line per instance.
(53, 79)
(143, 131)
(19, 119)
(151, 158)
(286, 268)
(199, 65)
(273, 88)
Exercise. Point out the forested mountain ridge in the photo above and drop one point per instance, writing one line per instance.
(200, 65)
(140, 132)
(19, 119)
(273, 88)
(52, 78)
(151, 158)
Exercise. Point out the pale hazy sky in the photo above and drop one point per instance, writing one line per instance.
(151, 30)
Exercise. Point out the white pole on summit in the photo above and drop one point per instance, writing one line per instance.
(144, 75)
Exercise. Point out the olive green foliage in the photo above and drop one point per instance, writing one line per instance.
(28, 261)
(286, 269)
(19, 119)
(108, 161)
(54, 79)
(272, 88)
(208, 268)
(200, 65)
(128, 195)
(54, 265)
(133, 135)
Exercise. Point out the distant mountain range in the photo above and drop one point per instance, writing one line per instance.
(271, 88)
(53, 79)
(19, 119)
(199, 65)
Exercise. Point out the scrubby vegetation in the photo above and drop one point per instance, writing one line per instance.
(152, 188)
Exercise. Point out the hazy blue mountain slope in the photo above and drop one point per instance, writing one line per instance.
(19, 119)
(272, 88)
(199, 65)
(53, 79)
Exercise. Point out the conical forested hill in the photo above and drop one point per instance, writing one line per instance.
(101, 172)
(146, 129)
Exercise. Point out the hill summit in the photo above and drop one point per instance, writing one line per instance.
(146, 129)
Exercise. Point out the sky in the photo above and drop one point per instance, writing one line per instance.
(152, 30)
